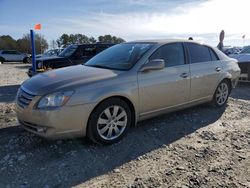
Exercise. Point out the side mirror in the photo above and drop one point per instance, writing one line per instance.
(155, 64)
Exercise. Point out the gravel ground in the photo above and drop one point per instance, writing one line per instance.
(198, 147)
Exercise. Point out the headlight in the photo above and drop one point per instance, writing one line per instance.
(55, 99)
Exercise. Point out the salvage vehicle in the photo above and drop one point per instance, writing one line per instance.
(13, 56)
(72, 55)
(243, 59)
(123, 85)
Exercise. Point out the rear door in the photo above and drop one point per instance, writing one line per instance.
(205, 69)
(161, 89)
(17, 56)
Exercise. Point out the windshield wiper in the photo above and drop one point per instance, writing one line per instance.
(98, 66)
(104, 67)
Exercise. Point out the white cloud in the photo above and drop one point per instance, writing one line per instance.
(196, 19)
(201, 19)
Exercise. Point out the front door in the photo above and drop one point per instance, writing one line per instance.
(166, 88)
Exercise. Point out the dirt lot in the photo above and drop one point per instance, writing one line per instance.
(197, 147)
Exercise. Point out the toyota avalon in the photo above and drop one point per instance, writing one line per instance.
(123, 85)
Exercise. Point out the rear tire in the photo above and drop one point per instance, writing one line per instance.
(1, 60)
(109, 121)
(221, 94)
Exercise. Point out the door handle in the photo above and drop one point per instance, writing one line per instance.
(184, 75)
(218, 69)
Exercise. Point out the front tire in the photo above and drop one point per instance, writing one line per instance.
(109, 122)
(221, 94)
(26, 60)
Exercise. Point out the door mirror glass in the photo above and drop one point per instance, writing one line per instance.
(154, 64)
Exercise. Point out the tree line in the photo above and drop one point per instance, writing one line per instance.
(24, 45)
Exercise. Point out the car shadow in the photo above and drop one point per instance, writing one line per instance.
(65, 163)
(26, 66)
(8, 93)
(243, 91)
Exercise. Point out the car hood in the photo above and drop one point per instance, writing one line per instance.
(66, 78)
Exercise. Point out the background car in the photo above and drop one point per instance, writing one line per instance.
(122, 85)
(244, 63)
(13, 56)
(72, 55)
(231, 50)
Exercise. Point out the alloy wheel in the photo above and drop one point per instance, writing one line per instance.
(222, 93)
(112, 122)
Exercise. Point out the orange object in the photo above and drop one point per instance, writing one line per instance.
(38, 27)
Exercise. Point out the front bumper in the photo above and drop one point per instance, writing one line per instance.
(31, 73)
(63, 122)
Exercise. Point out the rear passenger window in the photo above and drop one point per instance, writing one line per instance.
(198, 53)
(213, 55)
(172, 54)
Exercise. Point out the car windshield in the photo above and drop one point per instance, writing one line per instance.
(245, 50)
(68, 51)
(120, 57)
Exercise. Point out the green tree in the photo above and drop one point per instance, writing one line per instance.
(24, 44)
(66, 39)
(92, 40)
(110, 39)
(63, 40)
(7, 43)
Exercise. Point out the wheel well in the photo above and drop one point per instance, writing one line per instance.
(131, 106)
(229, 81)
(1, 58)
(25, 59)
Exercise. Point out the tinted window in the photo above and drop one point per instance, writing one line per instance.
(68, 51)
(6, 52)
(15, 53)
(89, 51)
(172, 54)
(198, 53)
(213, 55)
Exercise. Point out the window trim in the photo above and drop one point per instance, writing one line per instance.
(212, 51)
(184, 53)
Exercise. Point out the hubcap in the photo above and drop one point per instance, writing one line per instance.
(112, 122)
(222, 93)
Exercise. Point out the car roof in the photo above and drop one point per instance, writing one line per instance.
(93, 44)
(166, 41)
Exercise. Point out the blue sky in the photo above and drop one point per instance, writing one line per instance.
(130, 19)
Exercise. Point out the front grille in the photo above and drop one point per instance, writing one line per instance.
(33, 127)
(24, 98)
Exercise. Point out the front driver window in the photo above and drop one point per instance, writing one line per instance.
(172, 54)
